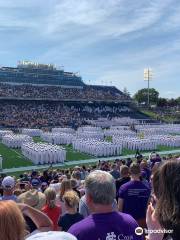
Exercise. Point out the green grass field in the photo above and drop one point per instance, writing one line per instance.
(14, 157)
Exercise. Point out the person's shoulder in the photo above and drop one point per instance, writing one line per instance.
(58, 207)
(64, 217)
(126, 185)
(45, 208)
(79, 216)
(126, 218)
(83, 199)
(145, 185)
(82, 225)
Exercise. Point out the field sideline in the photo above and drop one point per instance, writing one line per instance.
(13, 158)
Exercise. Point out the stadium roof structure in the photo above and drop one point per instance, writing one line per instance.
(28, 72)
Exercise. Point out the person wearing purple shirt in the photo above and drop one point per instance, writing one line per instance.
(103, 223)
(134, 195)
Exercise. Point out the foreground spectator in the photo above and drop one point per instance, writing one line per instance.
(72, 216)
(8, 185)
(103, 223)
(52, 236)
(166, 214)
(12, 223)
(34, 199)
(52, 210)
(134, 195)
(40, 220)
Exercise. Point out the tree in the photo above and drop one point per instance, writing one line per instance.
(126, 92)
(178, 100)
(173, 102)
(142, 95)
(162, 102)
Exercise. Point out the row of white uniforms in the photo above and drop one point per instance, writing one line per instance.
(97, 148)
(43, 153)
(32, 132)
(5, 132)
(58, 138)
(15, 140)
(135, 143)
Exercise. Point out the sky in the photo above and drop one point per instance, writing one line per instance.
(108, 42)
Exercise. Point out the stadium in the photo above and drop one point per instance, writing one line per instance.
(89, 145)
(42, 98)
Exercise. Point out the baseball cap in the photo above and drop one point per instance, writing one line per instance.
(34, 173)
(52, 236)
(35, 182)
(8, 182)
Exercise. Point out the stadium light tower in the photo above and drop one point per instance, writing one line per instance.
(148, 77)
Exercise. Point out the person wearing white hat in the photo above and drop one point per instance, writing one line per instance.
(8, 185)
(52, 236)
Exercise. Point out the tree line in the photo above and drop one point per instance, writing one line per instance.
(141, 97)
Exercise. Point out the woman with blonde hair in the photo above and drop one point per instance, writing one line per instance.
(71, 217)
(12, 224)
(51, 209)
(65, 186)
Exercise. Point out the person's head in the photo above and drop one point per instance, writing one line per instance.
(12, 225)
(8, 185)
(71, 199)
(17, 192)
(35, 183)
(166, 184)
(143, 164)
(54, 235)
(33, 198)
(155, 167)
(34, 174)
(114, 167)
(45, 173)
(44, 186)
(76, 175)
(135, 170)
(74, 183)
(124, 171)
(50, 195)
(65, 186)
(100, 189)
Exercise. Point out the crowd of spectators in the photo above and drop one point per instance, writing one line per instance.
(88, 93)
(49, 114)
(104, 201)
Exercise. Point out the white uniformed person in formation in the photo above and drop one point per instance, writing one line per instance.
(1, 161)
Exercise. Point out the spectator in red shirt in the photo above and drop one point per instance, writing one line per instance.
(52, 210)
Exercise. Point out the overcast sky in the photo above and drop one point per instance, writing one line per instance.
(108, 41)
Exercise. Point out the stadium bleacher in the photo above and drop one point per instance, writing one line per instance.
(31, 113)
(30, 102)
